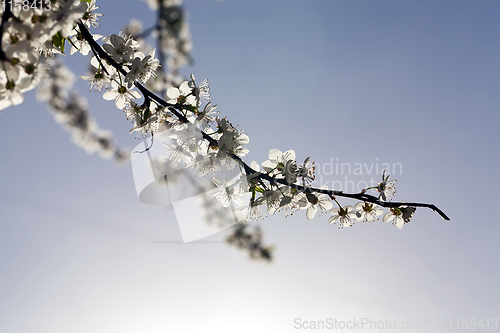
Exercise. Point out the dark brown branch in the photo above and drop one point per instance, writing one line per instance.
(7, 14)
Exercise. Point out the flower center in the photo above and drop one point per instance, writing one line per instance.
(29, 68)
(13, 39)
(10, 85)
(181, 99)
(396, 211)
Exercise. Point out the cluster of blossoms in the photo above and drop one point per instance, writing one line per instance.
(294, 193)
(32, 31)
(41, 30)
(174, 38)
(28, 33)
(71, 111)
(207, 142)
(201, 139)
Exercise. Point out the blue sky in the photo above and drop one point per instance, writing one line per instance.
(413, 82)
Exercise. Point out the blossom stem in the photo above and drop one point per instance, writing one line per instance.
(333, 197)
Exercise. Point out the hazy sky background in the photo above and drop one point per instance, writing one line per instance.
(410, 82)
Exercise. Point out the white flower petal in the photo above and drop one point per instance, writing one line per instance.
(388, 217)
(173, 93)
(326, 204)
(185, 89)
(311, 212)
(274, 154)
(120, 101)
(254, 165)
(110, 94)
(332, 219)
(378, 211)
(289, 155)
(268, 165)
(398, 222)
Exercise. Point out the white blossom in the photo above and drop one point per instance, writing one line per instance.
(182, 95)
(283, 164)
(249, 212)
(306, 172)
(206, 117)
(205, 164)
(202, 92)
(142, 67)
(90, 18)
(120, 94)
(227, 192)
(120, 47)
(317, 202)
(270, 198)
(399, 215)
(367, 212)
(12, 88)
(82, 45)
(177, 153)
(386, 188)
(396, 216)
(98, 77)
(65, 15)
(343, 216)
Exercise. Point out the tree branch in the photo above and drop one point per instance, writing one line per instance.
(248, 170)
(7, 14)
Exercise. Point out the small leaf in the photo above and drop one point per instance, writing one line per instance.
(189, 108)
(147, 114)
(58, 41)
